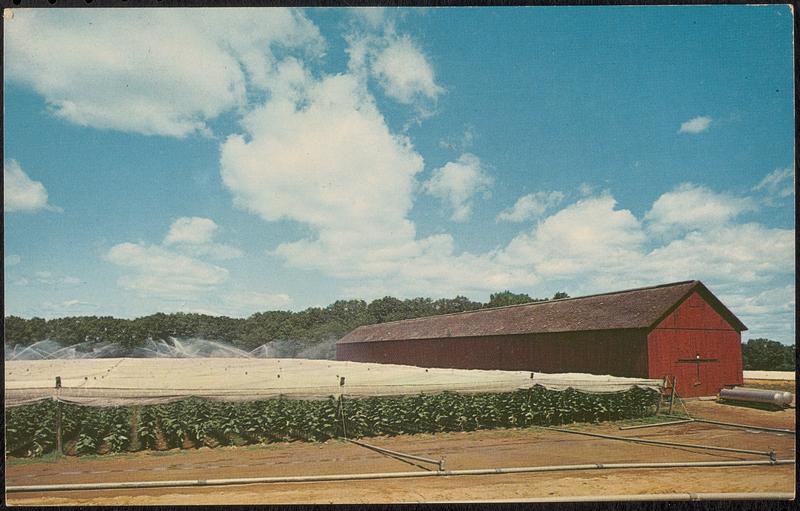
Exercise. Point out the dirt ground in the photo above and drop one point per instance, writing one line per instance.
(481, 449)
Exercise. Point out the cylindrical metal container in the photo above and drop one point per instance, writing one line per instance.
(757, 396)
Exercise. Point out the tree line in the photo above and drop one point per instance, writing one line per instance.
(295, 331)
(767, 355)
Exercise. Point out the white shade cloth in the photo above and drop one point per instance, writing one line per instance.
(131, 381)
(769, 375)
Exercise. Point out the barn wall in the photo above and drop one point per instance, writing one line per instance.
(615, 352)
(695, 328)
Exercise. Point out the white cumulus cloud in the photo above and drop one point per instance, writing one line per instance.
(150, 71)
(690, 206)
(161, 272)
(194, 236)
(333, 164)
(398, 65)
(404, 71)
(740, 253)
(456, 183)
(696, 125)
(531, 206)
(195, 230)
(590, 236)
(21, 193)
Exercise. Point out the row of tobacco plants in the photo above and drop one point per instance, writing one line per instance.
(30, 430)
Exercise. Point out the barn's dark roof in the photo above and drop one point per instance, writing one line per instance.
(630, 309)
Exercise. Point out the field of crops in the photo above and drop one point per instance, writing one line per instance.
(30, 430)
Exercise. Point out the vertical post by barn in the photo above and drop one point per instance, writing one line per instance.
(660, 394)
(672, 396)
(58, 417)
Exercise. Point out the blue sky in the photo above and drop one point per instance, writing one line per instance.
(230, 161)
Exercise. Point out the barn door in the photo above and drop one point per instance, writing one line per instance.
(697, 365)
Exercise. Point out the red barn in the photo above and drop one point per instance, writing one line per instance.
(679, 330)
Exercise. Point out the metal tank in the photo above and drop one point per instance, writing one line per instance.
(773, 397)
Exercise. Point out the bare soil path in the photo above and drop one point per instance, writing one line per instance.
(481, 449)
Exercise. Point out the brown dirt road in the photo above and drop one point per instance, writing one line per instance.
(481, 449)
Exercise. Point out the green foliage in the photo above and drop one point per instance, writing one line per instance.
(18, 330)
(509, 298)
(767, 355)
(30, 429)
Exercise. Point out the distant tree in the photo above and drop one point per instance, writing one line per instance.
(15, 331)
(457, 304)
(264, 327)
(767, 355)
(35, 330)
(559, 295)
(508, 298)
(386, 309)
(349, 312)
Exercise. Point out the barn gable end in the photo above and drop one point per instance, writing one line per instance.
(698, 345)
(714, 316)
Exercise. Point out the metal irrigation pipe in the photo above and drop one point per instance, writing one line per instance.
(744, 426)
(387, 475)
(642, 497)
(656, 424)
(440, 463)
(771, 454)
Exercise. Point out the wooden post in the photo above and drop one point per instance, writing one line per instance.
(58, 418)
(660, 395)
(341, 408)
(672, 397)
